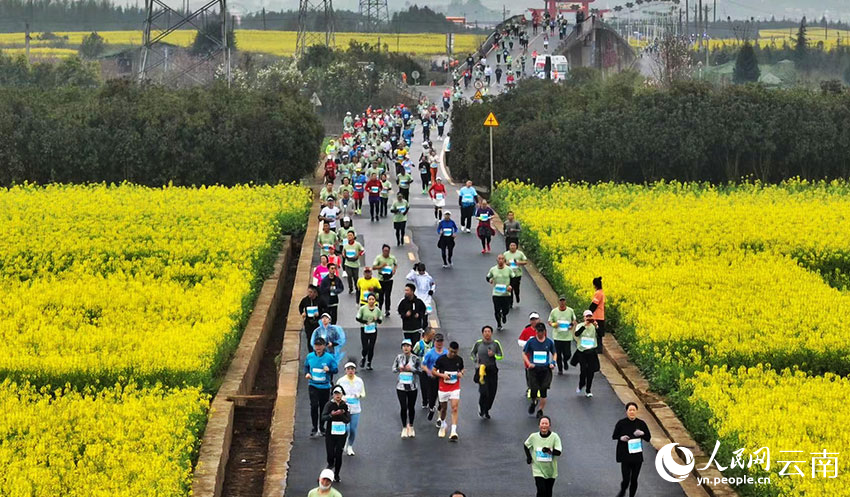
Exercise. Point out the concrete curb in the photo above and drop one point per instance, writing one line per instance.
(238, 380)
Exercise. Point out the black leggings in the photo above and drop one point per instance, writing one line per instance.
(405, 193)
(438, 212)
(400, 227)
(367, 342)
(318, 398)
(630, 471)
(501, 308)
(485, 242)
(447, 246)
(466, 216)
(384, 203)
(358, 203)
(429, 390)
(563, 348)
(544, 486)
(334, 445)
(585, 376)
(407, 406)
(515, 281)
(374, 208)
(385, 297)
(353, 274)
(332, 311)
(426, 179)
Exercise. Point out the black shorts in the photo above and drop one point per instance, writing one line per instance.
(539, 379)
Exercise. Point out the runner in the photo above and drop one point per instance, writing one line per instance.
(586, 356)
(424, 174)
(437, 193)
(628, 433)
(326, 239)
(411, 309)
(516, 260)
(352, 251)
(539, 358)
(447, 230)
(499, 278)
(367, 285)
(335, 418)
(485, 231)
(318, 367)
(333, 336)
(329, 213)
(309, 309)
(369, 315)
(562, 319)
(527, 334)
(429, 381)
(449, 370)
(324, 489)
(346, 203)
(425, 287)
(399, 210)
(467, 199)
(434, 165)
(512, 229)
(359, 185)
(345, 227)
(404, 181)
(386, 187)
(327, 192)
(484, 354)
(386, 265)
(407, 365)
(355, 390)
(374, 187)
(329, 290)
(541, 449)
(597, 307)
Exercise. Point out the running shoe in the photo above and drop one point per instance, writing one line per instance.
(350, 451)
(362, 362)
(430, 414)
(453, 436)
(487, 414)
(589, 395)
(445, 266)
(539, 413)
(404, 432)
(411, 432)
(369, 366)
(442, 432)
(578, 391)
(439, 423)
(314, 433)
(531, 408)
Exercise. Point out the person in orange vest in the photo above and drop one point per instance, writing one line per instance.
(404, 77)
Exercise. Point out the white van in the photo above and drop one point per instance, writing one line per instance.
(560, 67)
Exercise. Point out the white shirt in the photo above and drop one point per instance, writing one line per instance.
(354, 391)
(424, 283)
(330, 213)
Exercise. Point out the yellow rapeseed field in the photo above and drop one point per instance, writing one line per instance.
(775, 38)
(281, 43)
(697, 277)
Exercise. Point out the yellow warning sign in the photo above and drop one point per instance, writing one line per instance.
(477, 95)
(491, 121)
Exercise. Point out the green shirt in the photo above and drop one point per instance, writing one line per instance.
(342, 234)
(585, 336)
(332, 493)
(381, 262)
(369, 315)
(559, 317)
(342, 188)
(515, 256)
(501, 278)
(326, 240)
(325, 193)
(404, 180)
(543, 465)
(385, 192)
(347, 249)
(345, 169)
(399, 210)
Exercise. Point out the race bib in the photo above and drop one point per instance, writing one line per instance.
(319, 374)
(468, 199)
(484, 217)
(326, 247)
(588, 342)
(358, 186)
(402, 210)
(352, 400)
(351, 254)
(337, 428)
(406, 377)
(374, 189)
(448, 231)
(440, 196)
(452, 377)
(513, 265)
(543, 456)
(370, 328)
(563, 325)
(403, 183)
(635, 446)
(429, 309)
(387, 270)
(540, 357)
(312, 311)
(501, 288)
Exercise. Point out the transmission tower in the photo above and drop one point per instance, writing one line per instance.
(313, 14)
(163, 62)
(377, 14)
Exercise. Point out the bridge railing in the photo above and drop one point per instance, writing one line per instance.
(488, 43)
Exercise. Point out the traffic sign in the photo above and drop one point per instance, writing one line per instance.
(477, 95)
(315, 100)
(479, 84)
(491, 121)
(415, 74)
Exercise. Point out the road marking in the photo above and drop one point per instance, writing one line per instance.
(406, 239)
(411, 256)
(434, 323)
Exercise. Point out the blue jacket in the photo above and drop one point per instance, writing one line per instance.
(332, 334)
(445, 225)
(315, 364)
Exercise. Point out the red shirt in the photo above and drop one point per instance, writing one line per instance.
(527, 334)
(437, 188)
(374, 183)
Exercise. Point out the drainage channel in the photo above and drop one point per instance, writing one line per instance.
(246, 466)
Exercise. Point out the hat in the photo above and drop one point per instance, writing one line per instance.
(447, 213)
(367, 269)
(350, 364)
(534, 315)
(439, 178)
(326, 314)
(327, 474)
(330, 199)
(439, 337)
(339, 389)
(588, 313)
(406, 341)
(562, 297)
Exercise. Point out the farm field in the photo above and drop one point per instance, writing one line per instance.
(702, 281)
(280, 43)
(119, 309)
(775, 38)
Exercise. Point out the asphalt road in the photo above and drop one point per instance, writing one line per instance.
(489, 459)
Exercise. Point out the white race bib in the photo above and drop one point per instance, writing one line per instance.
(403, 183)
(370, 328)
(428, 309)
(484, 217)
(543, 456)
(406, 377)
(351, 254)
(635, 446)
(468, 199)
(452, 377)
(374, 189)
(540, 357)
(513, 264)
(388, 270)
(588, 342)
(312, 311)
(352, 400)
(318, 374)
(440, 196)
(501, 288)
(448, 232)
(564, 325)
(337, 428)
(326, 247)
(402, 210)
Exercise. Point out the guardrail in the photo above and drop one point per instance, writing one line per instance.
(485, 47)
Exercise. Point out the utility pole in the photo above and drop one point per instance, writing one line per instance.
(27, 39)
(714, 23)
(264, 18)
(699, 23)
(687, 19)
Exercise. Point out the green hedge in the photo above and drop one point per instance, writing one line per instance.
(152, 136)
(618, 130)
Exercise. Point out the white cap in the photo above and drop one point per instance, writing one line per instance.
(350, 364)
(447, 213)
(534, 315)
(327, 474)
(588, 313)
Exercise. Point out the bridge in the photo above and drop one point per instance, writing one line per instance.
(593, 43)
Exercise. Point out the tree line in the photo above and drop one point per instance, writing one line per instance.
(152, 136)
(620, 130)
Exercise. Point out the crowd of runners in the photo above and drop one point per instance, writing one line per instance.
(371, 163)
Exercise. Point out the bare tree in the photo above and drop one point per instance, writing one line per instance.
(671, 61)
